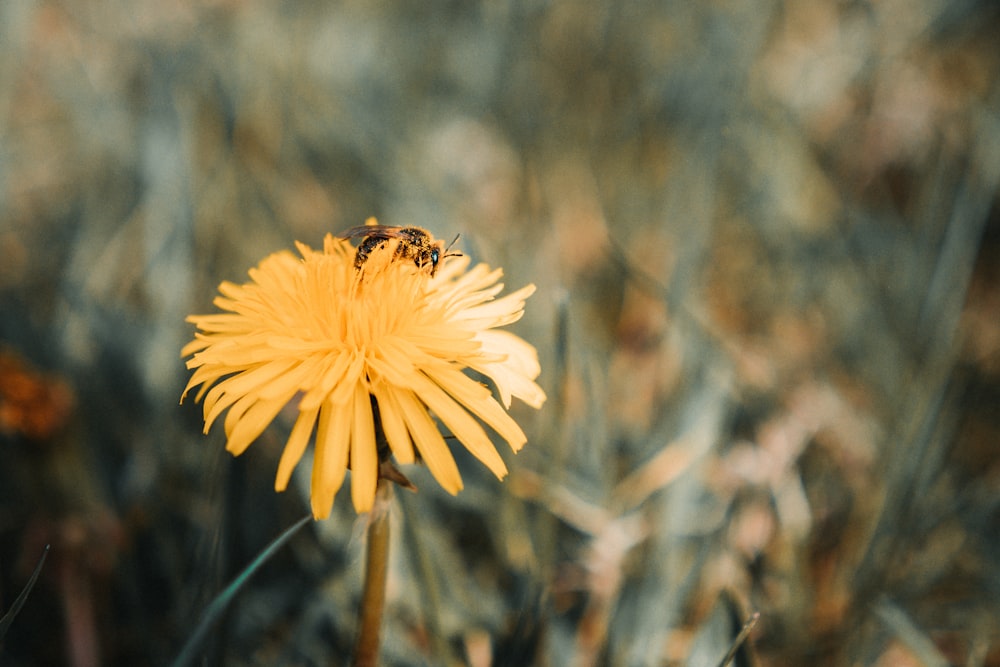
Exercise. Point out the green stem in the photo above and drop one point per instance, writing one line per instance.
(376, 566)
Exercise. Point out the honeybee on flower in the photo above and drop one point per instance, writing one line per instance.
(415, 244)
(373, 342)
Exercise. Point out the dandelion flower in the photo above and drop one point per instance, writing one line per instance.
(378, 349)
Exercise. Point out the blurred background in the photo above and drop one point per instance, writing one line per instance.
(766, 238)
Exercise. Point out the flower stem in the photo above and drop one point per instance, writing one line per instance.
(376, 566)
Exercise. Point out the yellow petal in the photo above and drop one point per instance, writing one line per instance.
(220, 323)
(295, 447)
(480, 277)
(231, 389)
(477, 399)
(328, 379)
(348, 382)
(503, 311)
(252, 424)
(393, 425)
(515, 371)
(236, 412)
(199, 343)
(429, 442)
(330, 461)
(462, 425)
(205, 376)
(364, 454)
(291, 381)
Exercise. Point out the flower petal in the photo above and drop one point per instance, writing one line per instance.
(295, 447)
(513, 375)
(478, 400)
(393, 424)
(328, 379)
(291, 381)
(505, 310)
(465, 428)
(330, 461)
(364, 452)
(252, 424)
(432, 447)
(248, 382)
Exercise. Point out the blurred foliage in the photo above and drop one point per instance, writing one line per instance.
(767, 243)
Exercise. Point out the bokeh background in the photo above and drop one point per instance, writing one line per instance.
(766, 239)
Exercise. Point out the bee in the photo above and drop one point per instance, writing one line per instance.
(415, 244)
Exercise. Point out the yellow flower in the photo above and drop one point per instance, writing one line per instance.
(344, 340)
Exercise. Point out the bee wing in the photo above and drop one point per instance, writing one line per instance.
(386, 231)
